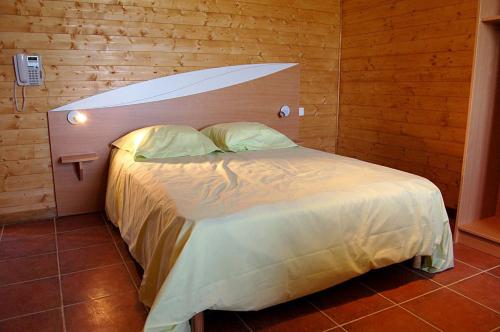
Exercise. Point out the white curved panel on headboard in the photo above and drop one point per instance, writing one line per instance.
(175, 86)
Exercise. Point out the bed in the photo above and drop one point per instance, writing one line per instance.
(248, 230)
(237, 231)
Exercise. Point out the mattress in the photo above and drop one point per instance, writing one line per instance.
(248, 230)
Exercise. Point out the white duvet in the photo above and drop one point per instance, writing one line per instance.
(248, 230)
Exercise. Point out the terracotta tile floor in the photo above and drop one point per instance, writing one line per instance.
(76, 274)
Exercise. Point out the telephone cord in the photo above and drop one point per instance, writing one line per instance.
(15, 98)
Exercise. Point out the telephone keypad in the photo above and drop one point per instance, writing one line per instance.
(33, 76)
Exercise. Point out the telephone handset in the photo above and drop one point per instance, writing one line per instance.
(28, 69)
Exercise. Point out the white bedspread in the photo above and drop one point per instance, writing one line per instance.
(244, 231)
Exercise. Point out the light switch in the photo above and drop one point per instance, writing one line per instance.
(301, 111)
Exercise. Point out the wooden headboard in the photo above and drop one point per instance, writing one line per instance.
(198, 99)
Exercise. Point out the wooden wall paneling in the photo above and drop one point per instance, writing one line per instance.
(93, 46)
(404, 85)
(478, 218)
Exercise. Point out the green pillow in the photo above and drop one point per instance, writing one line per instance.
(244, 136)
(165, 141)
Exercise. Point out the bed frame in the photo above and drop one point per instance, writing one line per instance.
(80, 153)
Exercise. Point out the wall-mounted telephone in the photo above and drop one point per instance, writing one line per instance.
(28, 68)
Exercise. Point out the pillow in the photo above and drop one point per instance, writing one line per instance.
(165, 141)
(243, 136)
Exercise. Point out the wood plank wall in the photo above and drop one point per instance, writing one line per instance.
(92, 46)
(405, 78)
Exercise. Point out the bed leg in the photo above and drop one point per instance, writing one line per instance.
(198, 322)
(417, 262)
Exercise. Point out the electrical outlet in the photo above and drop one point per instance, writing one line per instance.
(301, 111)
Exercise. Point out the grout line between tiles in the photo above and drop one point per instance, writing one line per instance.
(97, 298)
(85, 247)
(491, 274)
(324, 314)
(421, 295)
(483, 305)
(463, 279)
(370, 314)
(120, 253)
(422, 319)
(28, 281)
(464, 262)
(401, 307)
(59, 276)
(32, 236)
(80, 228)
(417, 272)
(92, 269)
(451, 289)
(29, 256)
(492, 268)
(54, 252)
(29, 314)
(453, 283)
(418, 317)
(373, 290)
(124, 262)
(243, 322)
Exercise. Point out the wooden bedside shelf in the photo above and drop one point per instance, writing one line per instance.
(78, 160)
(491, 19)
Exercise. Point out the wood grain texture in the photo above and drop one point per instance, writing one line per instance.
(404, 85)
(93, 46)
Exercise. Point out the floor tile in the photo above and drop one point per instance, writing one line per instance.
(28, 268)
(121, 312)
(223, 321)
(452, 312)
(83, 237)
(27, 246)
(458, 272)
(475, 257)
(90, 257)
(393, 320)
(495, 271)
(136, 271)
(483, 288)
(292, 316)
(21, 298)
(48, 321)
(24, 230)
(398, 283)
(94, 284)
(348, 301)
(71, 223)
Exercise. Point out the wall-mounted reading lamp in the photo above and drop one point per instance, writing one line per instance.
(284, 111)
(77, 117)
